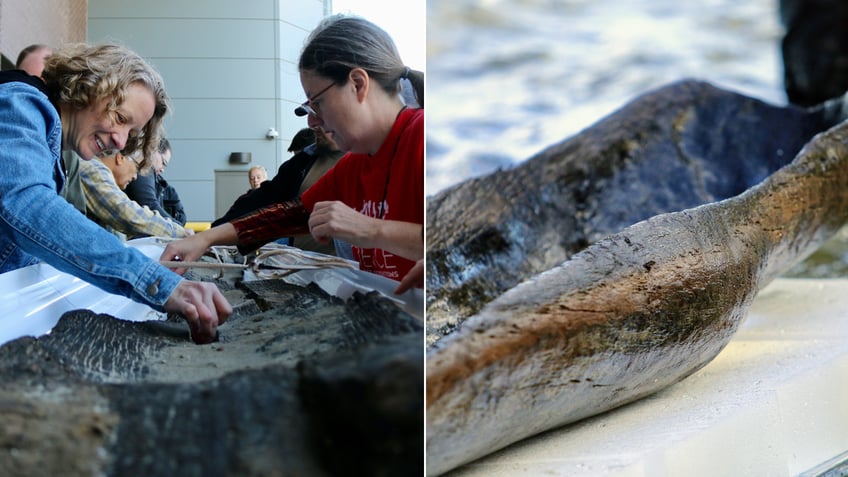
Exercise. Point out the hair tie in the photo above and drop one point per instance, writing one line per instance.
(405, 73)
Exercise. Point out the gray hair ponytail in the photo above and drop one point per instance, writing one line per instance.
(341, 43)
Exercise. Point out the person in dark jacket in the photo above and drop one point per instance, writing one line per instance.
(152, 190)
(314, 154)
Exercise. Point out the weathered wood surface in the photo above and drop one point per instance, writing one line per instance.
(101, 396)
(678, 147)
(545, 342)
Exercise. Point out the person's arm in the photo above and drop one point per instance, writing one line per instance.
(282, 187)
(111, 206)
(249, 233)
(190, 249)
(334, 219)
(36, 220)
(279, 220)
(172, 204)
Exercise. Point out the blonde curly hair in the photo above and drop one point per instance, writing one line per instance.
(81, 75)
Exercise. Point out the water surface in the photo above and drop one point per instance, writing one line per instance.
(506, 78)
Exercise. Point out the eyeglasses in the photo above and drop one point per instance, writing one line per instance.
(306, 108)
(137, 163)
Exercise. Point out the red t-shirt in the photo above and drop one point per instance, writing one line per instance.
(388, 185)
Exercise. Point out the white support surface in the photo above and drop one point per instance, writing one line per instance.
(33, 298)
(774, 402)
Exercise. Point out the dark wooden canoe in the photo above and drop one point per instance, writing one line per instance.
(522, 341)
(300, 383)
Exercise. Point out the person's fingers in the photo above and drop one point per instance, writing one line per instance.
(193, 329)
(203, 336)
(415, 277)
(405, 284)
(190, 312)
(317, 229)
(205, 328)
(202, 306)
(208, 330)
(170, 255)
(222, 306)
(191, 315)
(199, 323)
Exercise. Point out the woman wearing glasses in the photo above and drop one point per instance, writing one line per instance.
(92, 99)
(373, 198)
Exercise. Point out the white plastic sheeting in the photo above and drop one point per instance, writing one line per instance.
(33, 298)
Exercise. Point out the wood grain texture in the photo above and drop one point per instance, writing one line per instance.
(558, 334)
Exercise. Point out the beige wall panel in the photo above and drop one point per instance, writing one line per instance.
(198, 159)
(226, 9)
(214, 78)
(189, 38)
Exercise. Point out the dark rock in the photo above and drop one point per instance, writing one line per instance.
(815, 50)
(369, 396)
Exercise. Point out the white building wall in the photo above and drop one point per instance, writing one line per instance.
(230, 69)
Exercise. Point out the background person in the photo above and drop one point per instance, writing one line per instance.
(302, 139)
(72, 190)
(314, 154)
(373, 198)
(150, 189)
(31, 59)
(103, 181)
(256, 175)
(92, 99)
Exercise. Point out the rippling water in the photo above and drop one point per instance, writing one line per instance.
(506, 78)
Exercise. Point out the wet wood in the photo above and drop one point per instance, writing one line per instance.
(101, 396)
(548, 341)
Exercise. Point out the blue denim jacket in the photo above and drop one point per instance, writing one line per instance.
(36, 224)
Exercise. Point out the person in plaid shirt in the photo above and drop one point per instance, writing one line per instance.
(103, 182)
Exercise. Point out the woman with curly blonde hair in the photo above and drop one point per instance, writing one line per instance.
(92, 100)
(81, 76)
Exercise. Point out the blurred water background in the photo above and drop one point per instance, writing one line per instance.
(506, 78)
